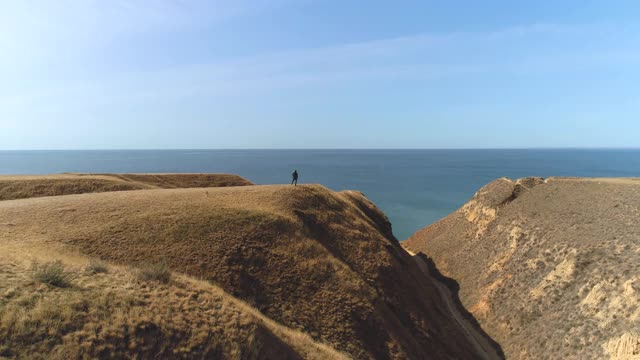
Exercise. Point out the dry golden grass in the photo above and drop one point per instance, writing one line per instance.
(178, 181)
(52, 273)
(550, 268)
(115, 315)
(96, 266)
(156, 271)
(324, 264)
(22, 187)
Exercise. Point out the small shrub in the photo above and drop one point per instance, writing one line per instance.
(97, 267)
(158, 271)
(52, 273)
(5, 351)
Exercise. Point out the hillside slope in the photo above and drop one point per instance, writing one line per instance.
(314, 261)
(551, 269)
(115, 314)
(28, 186)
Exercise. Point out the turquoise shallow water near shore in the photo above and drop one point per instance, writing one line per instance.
(413, 187)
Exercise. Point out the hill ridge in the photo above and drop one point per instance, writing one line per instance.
(14, 187)
(548, 267)
(319, 262)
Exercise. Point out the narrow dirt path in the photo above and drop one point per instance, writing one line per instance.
(476, 338)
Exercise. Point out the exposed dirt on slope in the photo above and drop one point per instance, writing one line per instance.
(22, 187)
(550, 271)
(485, 347)
(313, 260)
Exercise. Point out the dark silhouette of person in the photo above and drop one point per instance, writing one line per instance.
(294, 181)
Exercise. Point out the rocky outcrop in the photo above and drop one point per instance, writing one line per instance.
(626, 347)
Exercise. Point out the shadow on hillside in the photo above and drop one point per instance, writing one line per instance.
(454, 287)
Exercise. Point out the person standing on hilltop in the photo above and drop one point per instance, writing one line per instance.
(294, 181)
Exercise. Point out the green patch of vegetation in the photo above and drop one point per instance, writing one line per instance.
(52, 273)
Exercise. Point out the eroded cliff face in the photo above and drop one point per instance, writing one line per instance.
(551, 269)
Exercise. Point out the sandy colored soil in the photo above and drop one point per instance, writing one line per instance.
(484, 347)
(320, 272)
(550, 268)
(22, 187)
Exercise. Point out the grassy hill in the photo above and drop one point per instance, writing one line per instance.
(549, 268)
(299, 272)
(118, 314)
(22, 187)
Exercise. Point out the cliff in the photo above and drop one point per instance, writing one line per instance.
(550, 268)
(259, 272)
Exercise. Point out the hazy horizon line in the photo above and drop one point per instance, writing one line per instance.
(341, 149)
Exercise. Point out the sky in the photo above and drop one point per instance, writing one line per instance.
(247, 74)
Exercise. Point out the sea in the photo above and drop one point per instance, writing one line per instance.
(413, 187)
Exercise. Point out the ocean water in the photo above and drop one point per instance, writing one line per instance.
(413, 187)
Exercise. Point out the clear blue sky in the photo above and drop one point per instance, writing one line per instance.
(93, 74)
